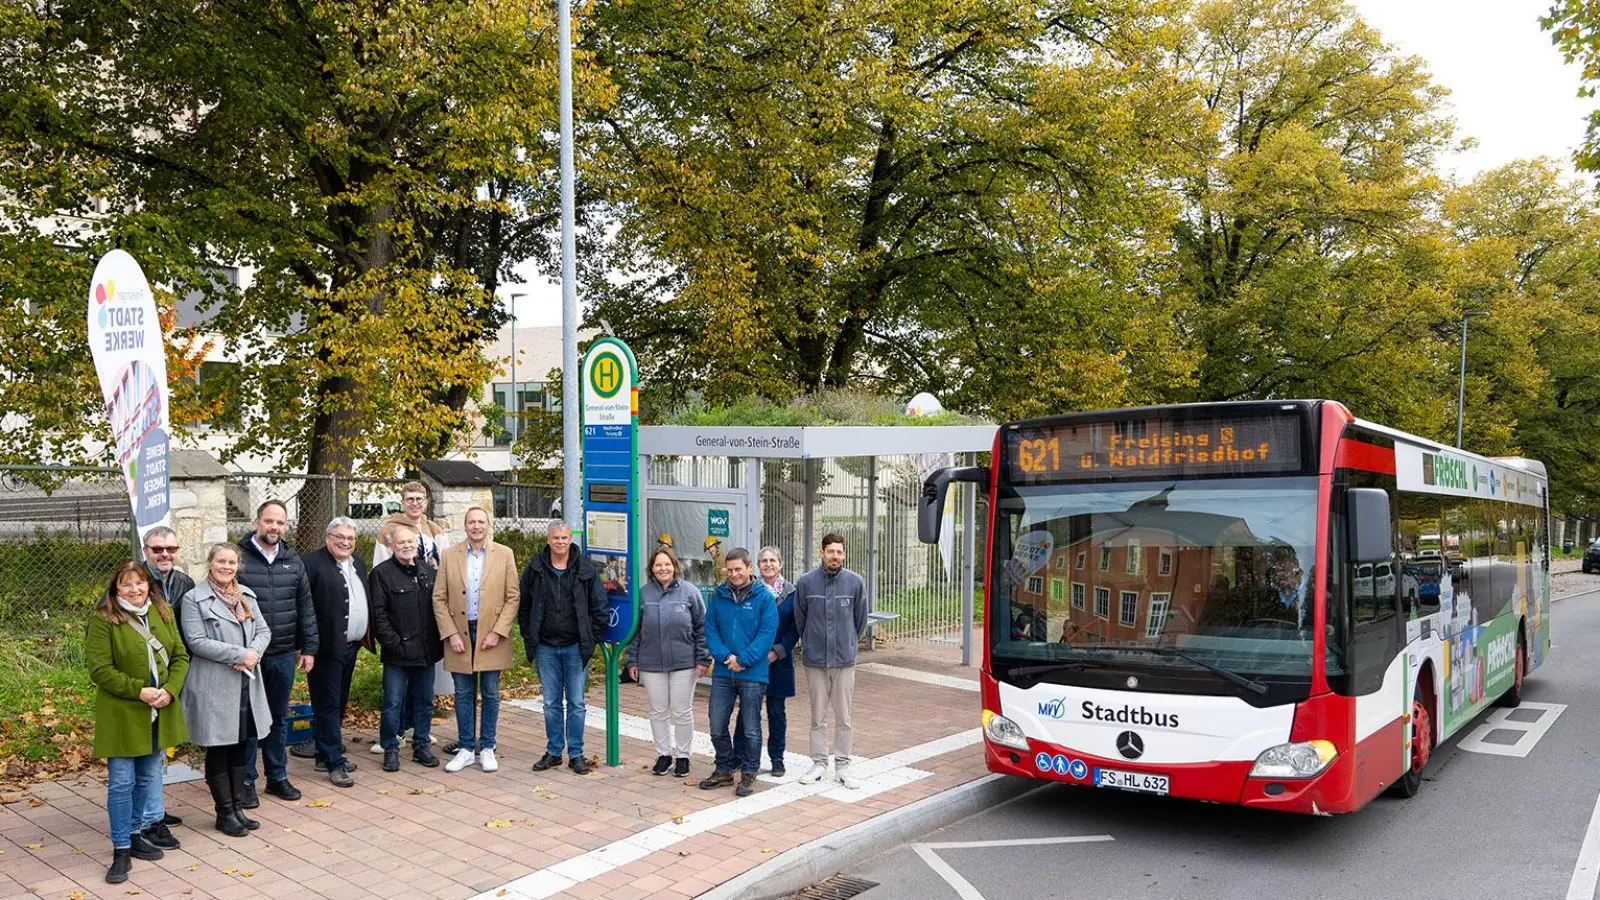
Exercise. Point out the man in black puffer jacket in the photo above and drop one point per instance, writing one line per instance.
(276, 574)
(403, 621)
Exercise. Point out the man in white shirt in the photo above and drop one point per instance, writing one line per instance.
(339, 593)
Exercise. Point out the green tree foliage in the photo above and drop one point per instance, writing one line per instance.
(381, 164)
(1574, 27)
(811, 194)
(1527, 236)
(1308, 264)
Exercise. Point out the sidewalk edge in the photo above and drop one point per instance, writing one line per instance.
(811, 862)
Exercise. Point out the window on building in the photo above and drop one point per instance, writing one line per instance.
(1128, 607)
(1082, 560)
(1077, 595)
(1166, 562)
(1058, 590)
(1035, 584)
(1157, 621)
(1102, 602)
(1105, 558)
(1134, 552)
(531, 395)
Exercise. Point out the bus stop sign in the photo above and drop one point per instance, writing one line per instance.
(611, 502)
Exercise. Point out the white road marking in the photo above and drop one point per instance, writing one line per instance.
(949, 681)
(1587, 872)
(876, 775)
(963, 887)
(1498, 721)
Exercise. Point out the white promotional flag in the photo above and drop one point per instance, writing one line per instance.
(130, 360)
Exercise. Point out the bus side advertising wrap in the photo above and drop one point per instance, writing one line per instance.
(1158, 446)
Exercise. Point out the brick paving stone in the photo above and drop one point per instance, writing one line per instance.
(421, 833)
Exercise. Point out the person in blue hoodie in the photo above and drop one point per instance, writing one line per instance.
(741, 624)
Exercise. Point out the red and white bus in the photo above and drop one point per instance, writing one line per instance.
(1273, 604)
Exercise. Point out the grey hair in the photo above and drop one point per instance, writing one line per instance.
(220, 548)
(158, 531)
(340, 522)
(769, 549)
(559, 525)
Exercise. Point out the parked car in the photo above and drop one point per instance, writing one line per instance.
(1591, 558)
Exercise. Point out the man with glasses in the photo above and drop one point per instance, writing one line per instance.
(431, 539)
(161, 559)
(339, 594)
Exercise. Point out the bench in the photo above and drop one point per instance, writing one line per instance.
(873, 618)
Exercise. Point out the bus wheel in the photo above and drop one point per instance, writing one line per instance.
(1513, 695)
(1421, 750)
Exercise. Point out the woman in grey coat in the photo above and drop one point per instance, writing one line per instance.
(224, 701)
(670, 650)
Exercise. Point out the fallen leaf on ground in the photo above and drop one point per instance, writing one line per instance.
(245, 873)
(685, 852)
(229, 870)
(34, 803)
(498, 823)
(383, 790)
(133, 891)
(501, 893)
(766, 849)
(194, 868)
(33, 846)
(78, 851)
(677, 818)
(75, 895)
(331, 850)
(320, 804)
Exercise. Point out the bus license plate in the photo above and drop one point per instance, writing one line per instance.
(1131, 781)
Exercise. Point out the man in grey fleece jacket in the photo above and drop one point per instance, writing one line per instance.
(830, 612)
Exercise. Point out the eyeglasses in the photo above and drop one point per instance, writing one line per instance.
(414, 499)
(343, 538)
(162, 550)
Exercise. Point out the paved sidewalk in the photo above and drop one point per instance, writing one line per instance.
(619, 833)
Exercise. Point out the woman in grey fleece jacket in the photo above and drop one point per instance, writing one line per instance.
(667, 654)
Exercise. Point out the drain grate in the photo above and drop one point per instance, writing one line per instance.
(836, 887)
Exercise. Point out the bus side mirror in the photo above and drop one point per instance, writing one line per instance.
(1371, 531)
(930, 506)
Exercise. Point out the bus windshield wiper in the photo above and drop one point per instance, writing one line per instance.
(1063, 666)
(1248, 684)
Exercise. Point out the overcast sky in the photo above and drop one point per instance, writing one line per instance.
(1509, 88)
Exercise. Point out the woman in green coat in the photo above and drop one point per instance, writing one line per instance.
(137, 663)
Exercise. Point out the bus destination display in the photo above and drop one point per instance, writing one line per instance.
(1153, 447)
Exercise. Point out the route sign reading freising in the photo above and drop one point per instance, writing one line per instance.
(611, 501)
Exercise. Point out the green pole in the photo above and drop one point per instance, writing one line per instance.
(613, 654)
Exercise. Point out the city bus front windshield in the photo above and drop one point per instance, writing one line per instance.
(1168, 576)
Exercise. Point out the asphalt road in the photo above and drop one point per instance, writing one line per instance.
(1484, 827)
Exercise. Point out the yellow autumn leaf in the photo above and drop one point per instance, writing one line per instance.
(320, 804)
(498, 823)
(33, 846)
(766, 849)
(75, 895)
(194, 868)
(677, 818)
(133, 891)
(229, 870)
(386, 790)
(245, 873)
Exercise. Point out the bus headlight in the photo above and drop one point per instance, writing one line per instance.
(1299, 760)
(1001, 730)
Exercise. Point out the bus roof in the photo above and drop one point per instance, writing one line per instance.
(1531, 466)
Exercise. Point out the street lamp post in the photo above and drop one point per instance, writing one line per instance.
(1461, 395)
(516, 395)
(569, 290)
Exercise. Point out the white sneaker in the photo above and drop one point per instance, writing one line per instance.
(461, 760)
(377, 748)
(486, 760)
(849, 781)
(814, 774)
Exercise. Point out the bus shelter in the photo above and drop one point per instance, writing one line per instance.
(707, 490)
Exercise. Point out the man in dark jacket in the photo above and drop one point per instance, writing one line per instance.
(277, 575)
(161, 561)
(830, 612)
(563, 615)
(339, 593)
(401, 590)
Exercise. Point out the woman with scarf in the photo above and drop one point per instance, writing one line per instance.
(780, 659)
(137, 663)
(225, 702)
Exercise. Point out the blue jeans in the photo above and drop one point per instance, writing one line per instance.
(277, 676)
(468, 688)
(745, 752)
(777, 728)
(133, 795)
(408, 689)
(329, 681)
(561, 677)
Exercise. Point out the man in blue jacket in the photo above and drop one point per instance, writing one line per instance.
(741, 624)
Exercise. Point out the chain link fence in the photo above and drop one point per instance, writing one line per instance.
(62, 529)
(311, 501)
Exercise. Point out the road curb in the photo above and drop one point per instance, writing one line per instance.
(809, 863)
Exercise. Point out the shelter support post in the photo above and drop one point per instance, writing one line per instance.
(872, 542)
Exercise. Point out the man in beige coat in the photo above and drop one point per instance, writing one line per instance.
(477, 585)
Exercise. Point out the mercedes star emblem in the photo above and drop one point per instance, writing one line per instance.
(1130, 745)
